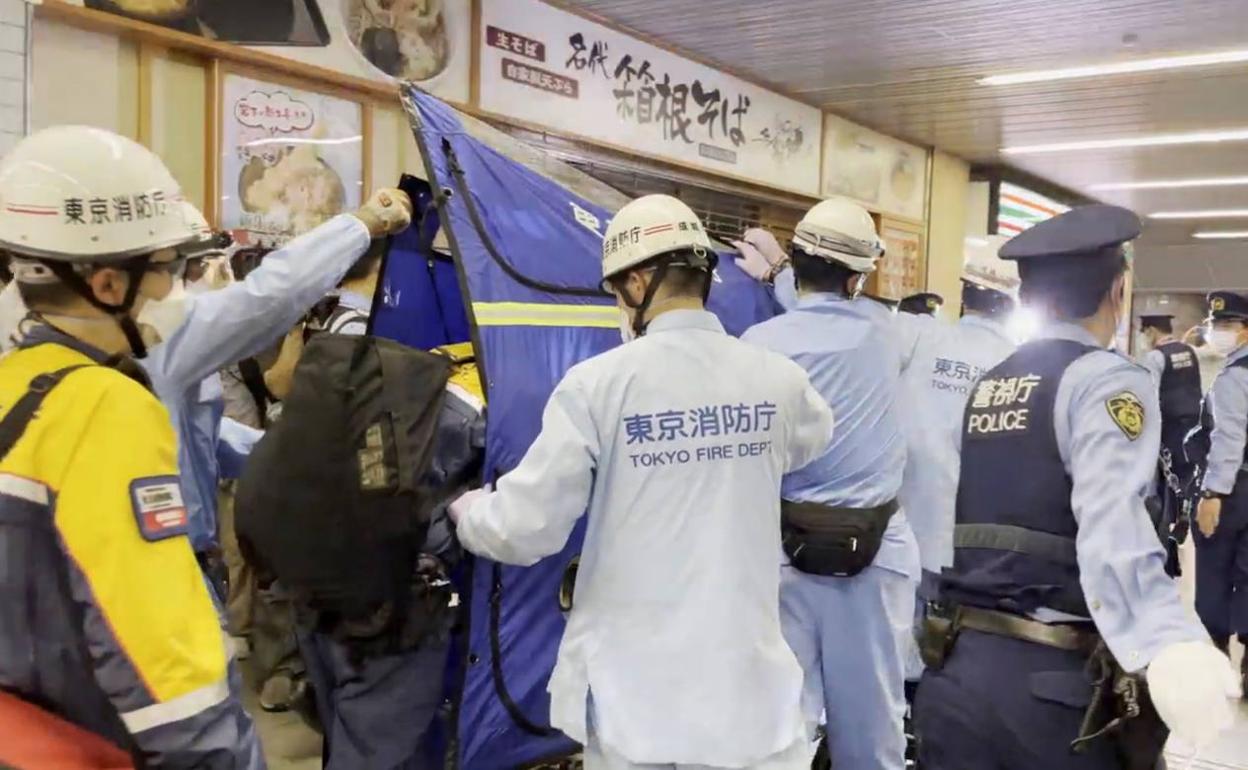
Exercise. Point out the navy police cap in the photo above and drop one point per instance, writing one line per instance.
(1096, 230)
(1227, 306)
(925, 303)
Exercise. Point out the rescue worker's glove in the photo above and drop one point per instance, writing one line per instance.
(1192, 685)
(387, 212)
(761, 254)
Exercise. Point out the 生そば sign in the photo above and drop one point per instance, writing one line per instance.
(545, 66)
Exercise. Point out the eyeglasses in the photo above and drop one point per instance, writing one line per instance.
(175, 267)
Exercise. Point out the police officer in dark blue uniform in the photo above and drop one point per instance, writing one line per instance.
(1222, 517)
(1176, 373)
(926, 303)
(1057, 567)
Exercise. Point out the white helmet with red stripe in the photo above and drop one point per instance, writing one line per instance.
(85, 195)
(649, 227)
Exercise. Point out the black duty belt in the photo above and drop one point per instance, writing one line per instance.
(1063, 637)
(830, 541)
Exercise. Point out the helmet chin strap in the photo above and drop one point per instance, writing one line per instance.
(639, 308)
(135, 268)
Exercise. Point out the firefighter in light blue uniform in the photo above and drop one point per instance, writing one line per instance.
(677, 443)
(1222, 516)
(847, 607)
(200, 334)
(1055, 552)
(940, 363)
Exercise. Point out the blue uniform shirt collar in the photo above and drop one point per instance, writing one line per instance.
(984, 322)
(1064, 330)
(675, 320)
(823, 299)
(42, 334)
(1238, 353)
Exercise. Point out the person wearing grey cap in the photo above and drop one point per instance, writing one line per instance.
(1057, 567)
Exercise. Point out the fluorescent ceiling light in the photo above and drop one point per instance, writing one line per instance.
(1155, 140)
(1175, 184)
(1118, 68)
(1217, 235)
(1207, 214)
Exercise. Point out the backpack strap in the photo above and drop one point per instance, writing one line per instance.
(26, 409)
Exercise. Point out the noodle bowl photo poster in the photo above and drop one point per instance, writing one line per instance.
(290, 159)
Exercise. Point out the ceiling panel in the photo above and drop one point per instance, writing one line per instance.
(910, 69)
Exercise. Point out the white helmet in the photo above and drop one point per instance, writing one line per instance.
(85, 195)
(983, 267)
(206, 243)
(839, 230)
(649, 227)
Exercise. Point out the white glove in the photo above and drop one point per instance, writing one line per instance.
(388, 211)
(760, 253)
(1191, 684)
(766, 244)
(458, 509)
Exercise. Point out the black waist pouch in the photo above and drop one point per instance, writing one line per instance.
(833, 542)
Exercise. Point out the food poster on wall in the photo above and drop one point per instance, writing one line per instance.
(425, 41)
(290, 159)
(552, 68)
(878, 171)
(901, 270)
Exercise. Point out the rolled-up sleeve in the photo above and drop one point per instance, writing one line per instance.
(1229, 400)
(536, 506)
(1136, 606)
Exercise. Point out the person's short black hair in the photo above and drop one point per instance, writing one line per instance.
(680, 280)
(820, 275)
(369, 263)
(986, 301)
(1163, 325)
(1072, 291)
(47, 296)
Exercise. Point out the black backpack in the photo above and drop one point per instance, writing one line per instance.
(331, 502)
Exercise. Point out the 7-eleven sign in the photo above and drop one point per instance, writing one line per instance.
(1019, 208)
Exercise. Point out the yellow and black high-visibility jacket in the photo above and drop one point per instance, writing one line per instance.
(105, 617)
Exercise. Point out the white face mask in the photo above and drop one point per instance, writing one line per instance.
(164, 316)
(1224, 341)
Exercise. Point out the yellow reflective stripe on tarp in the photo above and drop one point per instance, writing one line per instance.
(541, 314)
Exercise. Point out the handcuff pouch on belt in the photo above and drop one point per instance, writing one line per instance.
(833, 542)
(940, 630)
(1121, 710)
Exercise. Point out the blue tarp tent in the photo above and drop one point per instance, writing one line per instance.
(525, 235)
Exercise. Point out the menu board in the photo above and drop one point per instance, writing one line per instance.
(901, 271)
(878, 171)
(545, 66)
(427, 42)
(290, 159)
